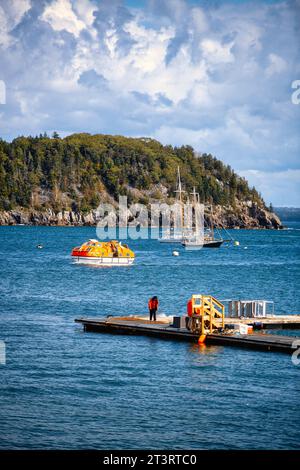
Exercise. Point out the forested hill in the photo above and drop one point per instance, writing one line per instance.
(78, 168)
(80, 171)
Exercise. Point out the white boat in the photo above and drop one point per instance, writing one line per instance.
(195, 244)
(94, 252)
(105, 262)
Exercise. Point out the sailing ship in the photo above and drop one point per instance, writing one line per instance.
(195, 239)
(187, 234)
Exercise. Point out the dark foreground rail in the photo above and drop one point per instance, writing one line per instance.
(118, 325)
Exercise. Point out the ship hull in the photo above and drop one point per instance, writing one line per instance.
(207, 244)
(101, 261)
(213, 244)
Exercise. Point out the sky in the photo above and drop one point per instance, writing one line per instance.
(216, 75)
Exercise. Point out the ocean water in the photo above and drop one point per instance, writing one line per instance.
(62, 388)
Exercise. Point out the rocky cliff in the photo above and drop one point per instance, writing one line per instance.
(242, 216)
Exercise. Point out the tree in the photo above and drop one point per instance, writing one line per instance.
(82, 169)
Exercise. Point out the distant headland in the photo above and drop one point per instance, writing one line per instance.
(61, 181)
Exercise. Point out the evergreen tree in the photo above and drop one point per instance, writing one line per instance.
(82, 169)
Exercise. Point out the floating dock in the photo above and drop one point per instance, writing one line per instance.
(277, 322)
(164, 329)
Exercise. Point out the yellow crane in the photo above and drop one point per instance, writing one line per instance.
(206, 315)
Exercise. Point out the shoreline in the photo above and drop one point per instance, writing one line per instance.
(282, 228)
(243, 216)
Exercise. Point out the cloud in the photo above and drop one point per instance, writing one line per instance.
(10, 15)
(207, 74)
(92, 79)
(276, 65)
(61, 16)
(279, 188)
(217, 53)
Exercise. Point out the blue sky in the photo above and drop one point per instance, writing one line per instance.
(213, 74)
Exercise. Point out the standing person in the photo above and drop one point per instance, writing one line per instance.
(189, 311)
(153, 306)
(189, 307)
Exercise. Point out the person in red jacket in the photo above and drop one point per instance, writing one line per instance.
(189, 308)
(153, 306)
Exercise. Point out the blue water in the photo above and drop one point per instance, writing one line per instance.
(65, 389)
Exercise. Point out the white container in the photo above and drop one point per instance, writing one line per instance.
(245, 329)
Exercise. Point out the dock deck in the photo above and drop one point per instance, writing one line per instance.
(163, 329)
(288, 322)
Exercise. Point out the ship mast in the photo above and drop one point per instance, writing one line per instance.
(211, 220)
(196, 199)
(179, 191)
(195, 196)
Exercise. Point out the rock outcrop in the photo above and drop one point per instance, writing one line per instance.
(244, 215)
